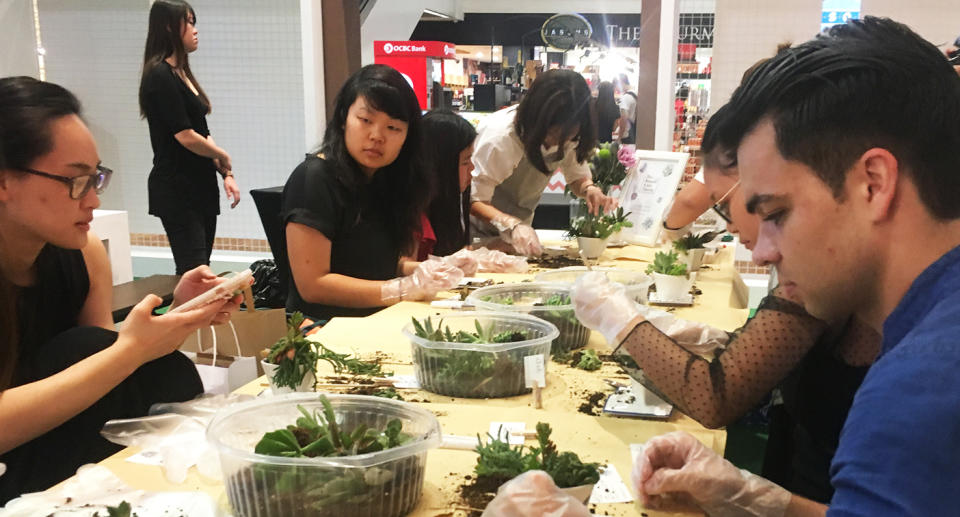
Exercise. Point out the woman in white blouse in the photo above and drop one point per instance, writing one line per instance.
(517, 151)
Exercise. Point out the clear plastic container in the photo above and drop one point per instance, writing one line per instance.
(479, 370)
(637, 283)
(532, 298)
(385, 483)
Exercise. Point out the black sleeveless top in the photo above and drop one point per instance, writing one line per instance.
(50, 306)
(805, 431)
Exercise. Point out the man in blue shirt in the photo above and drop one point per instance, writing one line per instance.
(848, 149)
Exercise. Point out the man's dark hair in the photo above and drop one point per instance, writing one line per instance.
(558, 98)
(867, 83)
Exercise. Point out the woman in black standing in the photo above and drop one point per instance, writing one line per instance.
(183, 183)
(607, 112)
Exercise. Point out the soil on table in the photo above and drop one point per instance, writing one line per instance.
(477, 493)
(553, 262)
(593, 403)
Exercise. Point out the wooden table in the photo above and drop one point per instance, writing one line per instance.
(126, 295)
(595, 438)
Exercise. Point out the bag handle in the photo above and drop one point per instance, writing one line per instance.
(213, 334)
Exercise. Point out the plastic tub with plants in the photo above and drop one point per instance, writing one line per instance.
(549, 301)
(477, 355)
(334, 455)
(636, 283)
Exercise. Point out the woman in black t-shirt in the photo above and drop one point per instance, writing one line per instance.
(352, 211)
(183, 183)
(607, 112)
(64, 369)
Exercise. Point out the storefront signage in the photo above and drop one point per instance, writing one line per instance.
(696, 28)
(566, 31)
(415, 49)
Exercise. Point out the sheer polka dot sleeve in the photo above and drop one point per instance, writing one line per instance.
(716, 391)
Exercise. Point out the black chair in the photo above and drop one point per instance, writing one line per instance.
(268, 206)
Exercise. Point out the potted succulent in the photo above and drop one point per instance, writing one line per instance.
(499, 462)
(291, 363)
(669, 275)
(692, 246)
(593, 231)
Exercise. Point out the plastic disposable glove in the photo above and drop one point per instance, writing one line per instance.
(676, 470)
(522, 237)
(534, 494)
(603, 305)
(464, 259)
(494, 261)
(430, 277)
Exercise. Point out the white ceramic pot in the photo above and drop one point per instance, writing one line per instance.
(591, 246)
(305, 385)
(670, 287)
(694, 259)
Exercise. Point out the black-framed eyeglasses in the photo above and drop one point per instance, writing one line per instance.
(79, 185)
(722, 208)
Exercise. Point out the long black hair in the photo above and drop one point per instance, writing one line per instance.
(27, 107)
(445, 136)
(164, 39)
(607, 111)
(403, 187)
(558, 98)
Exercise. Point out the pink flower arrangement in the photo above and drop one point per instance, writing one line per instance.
(626, 155)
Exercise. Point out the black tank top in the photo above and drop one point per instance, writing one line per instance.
(805, 432)
(50, 306)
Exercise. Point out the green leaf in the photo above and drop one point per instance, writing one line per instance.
(277, 443)
(121, 510)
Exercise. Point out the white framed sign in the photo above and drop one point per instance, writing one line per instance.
(648, 192)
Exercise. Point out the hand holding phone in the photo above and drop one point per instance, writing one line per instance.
(224, 290)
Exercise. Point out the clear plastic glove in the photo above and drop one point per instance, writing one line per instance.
(493, 261)
(668, 235)
(676, 470)
(522, 237)
(534, 494)
(603, 305)
(696, 337)
(424, 283)
(464, 260)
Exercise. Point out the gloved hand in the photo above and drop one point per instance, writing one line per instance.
(493, 261)
(534, 494)
(668, 235)
(464, 259)
(430, 277)
(676, 469)
(523, 238)
(603, 305)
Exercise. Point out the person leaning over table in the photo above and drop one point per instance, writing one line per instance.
(351, 211)
(448, 148)
(857, 197)
(64, 371)
(781, 346)
(517, 151)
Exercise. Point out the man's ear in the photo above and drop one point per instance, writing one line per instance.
(880, 172)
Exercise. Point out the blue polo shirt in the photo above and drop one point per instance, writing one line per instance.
(899, 451)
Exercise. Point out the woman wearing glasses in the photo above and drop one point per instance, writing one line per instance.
(64, 371)
(183, 182)
(781, 346)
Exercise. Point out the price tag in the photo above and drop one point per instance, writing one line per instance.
(534, 371)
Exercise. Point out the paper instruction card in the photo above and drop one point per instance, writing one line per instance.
(510, 432)
(610, 488)
(534, 370)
